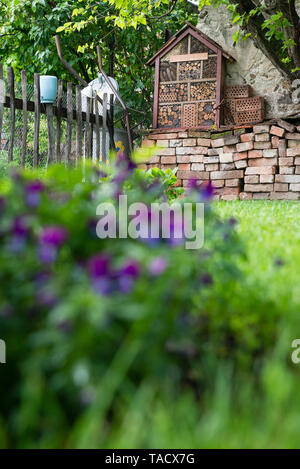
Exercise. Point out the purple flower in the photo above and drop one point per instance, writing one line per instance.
(47, 253)
(53, 235)
(98, 266)
(279, 262)
(158, 266)
(131, 268)
(232, 221)
(65, 326)
(47, 298)
(33, 193)
(205, 190)
(126, 284)
(207, 279)
(103, 285)
(16, 244)
(19, 227)
(2, 203)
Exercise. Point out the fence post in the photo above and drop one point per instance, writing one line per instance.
(78, 124)
(2, 100)
(51, 135)
(58, 121)
(69, 122)
(25, 129)
(11, 90)
(97, 130)
(87, 136)
(36, 119)
(104, 127)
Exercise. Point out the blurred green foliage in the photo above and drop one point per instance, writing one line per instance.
(194, 351)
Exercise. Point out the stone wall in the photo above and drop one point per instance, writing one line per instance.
(251, 66)
(259, 162)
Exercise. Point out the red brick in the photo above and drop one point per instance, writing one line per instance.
(241, 164)
(232, 183)
(168, 160)
(244, 146)
(262, 137)
(247, 137)
(168, 136)
(262, 145)
(197, 167)
(286, 125)
(219, 183)
(240, 156)
(230, 191)
(273, 153)
(195, 158)
(184, 167)
(227, 174)
(261, 195)
(292, 179)
(253, 179)
(277, 131)
(287, 170)
(211, 159)
(192, 175)
(190, 142)
(282, 151)
(255, 154)
(218, 142)
(147, 143)
(176, 143)
(183, 159)
(155, 159)
(261, 129)
(293, 136)
(260, 170)
(281, 187)
(229, 149)
(212, 167)
(166, 151)
(245, 195)
(293, 152)
(286, 161)
(192, 151)
(227, 166)
(203, 142)
(266, 178)
(284, 195)
(258, 187)
(226, 158)
(275, 142)
(263, 162)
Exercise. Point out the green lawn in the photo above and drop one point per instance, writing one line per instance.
(271, 231)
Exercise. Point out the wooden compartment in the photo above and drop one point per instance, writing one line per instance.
(203, 91)
(190, 70)
(169, 116)
(173, 92)
(206, 114)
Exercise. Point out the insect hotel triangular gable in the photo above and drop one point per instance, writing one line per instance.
(188, 81)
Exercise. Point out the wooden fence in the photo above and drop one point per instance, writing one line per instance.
(78, 125)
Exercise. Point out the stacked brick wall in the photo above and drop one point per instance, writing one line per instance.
(260, 162)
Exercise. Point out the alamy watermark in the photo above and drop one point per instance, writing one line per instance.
(179, 223)
(295, 357)
(2, 351)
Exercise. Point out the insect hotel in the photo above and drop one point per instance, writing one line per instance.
(188, 89)
(211, 133)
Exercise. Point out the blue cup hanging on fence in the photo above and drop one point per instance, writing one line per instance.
(48, 89)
